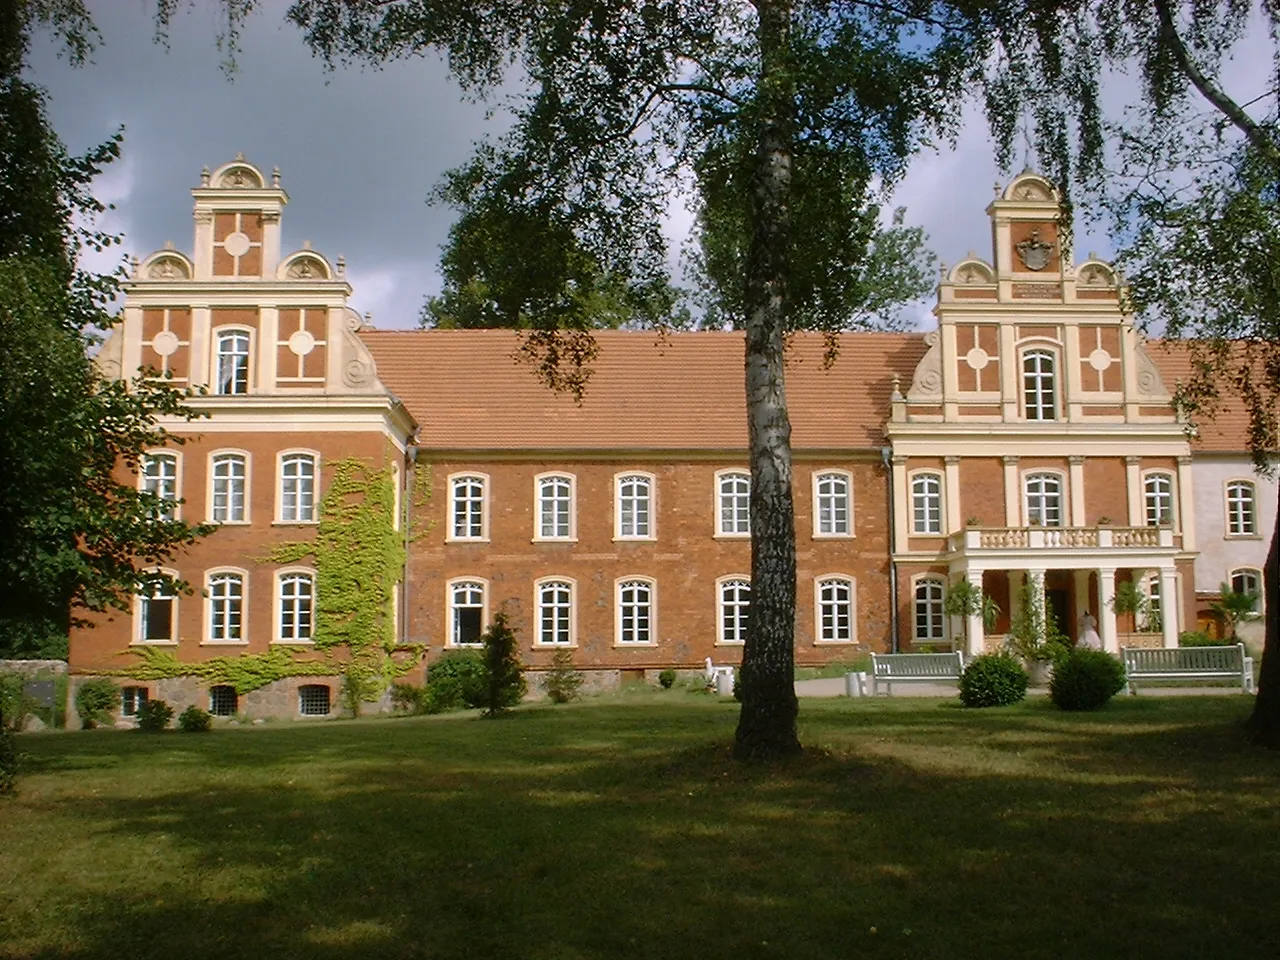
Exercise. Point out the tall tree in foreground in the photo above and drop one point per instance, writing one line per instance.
(72, 536)
(783, 118)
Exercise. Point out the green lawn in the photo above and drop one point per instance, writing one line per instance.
(619, 828)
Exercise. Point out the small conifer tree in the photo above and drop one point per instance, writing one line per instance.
(563, 681)
(505, 675)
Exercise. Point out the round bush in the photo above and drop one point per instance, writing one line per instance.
(195, 720)
(154, 716)
(1086, 679)
(667, 678)
(993, 680)
(455, 681)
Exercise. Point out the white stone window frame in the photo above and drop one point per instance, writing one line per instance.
(846, 477)
(216, 456)
(1256, 575)
(722, 607)
(559, 478)
(570, 610)
(140, 620)
(938, 581)
(217, 334)
(211, 602)
(820, 584)
(621, 605)
(722, 476)
(1234, 516)
(455, 480)
(1148, 498)
(158, 454)
(941, 501)
(278, 607)
(650, 500)
(286, 456)
(451, 605)
(1053, 352)
(1064, 500)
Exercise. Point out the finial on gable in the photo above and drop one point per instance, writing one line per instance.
(204, 177)
(275, 177)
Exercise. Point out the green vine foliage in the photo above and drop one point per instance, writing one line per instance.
(359, 557)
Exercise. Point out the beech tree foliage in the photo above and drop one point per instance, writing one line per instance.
(75, 532)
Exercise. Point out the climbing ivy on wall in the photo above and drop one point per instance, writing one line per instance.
(359, 557)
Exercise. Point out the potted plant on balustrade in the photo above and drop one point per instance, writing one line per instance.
(1034, 634)
(964, 600)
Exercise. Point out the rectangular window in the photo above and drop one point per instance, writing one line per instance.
(313, 700)
(226, 607)
(555, 612)
(634, 507)
(735, 504)
(926, 504)
(1038, 386)
(930, 626)
(132, 699)
(157, 615)
(297, 591)
(1241, 516)
(1158, 495)
(635, 612)
(735, 602)
(835, 611)
(555, 508)
(232, 376)
(298, 489)
(467, 508)
(1044, 500)
(466, 599)
(832, 496)
(228, 489)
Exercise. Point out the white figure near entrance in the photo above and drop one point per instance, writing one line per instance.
(1088, 637)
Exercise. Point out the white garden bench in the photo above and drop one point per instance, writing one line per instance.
(1188, 663)
(891, 668)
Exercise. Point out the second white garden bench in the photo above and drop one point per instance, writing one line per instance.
(1188, 663)
(891, 668)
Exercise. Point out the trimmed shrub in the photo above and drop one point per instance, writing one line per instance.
(504, 676)
(154, 716)
(97, 701)
(1198, 638)
(407, 698)
(454, 682)
(195, 720)
(563, 682)
(667, 679)
(1086, 679)
(993, 680)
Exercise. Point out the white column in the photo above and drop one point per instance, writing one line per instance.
(902, 501)
(976, 628)
(1186, 505)
(268, 347)
(1071, 347)
(1076, 480)
(1170, 607)
(1010, 371)
(1012, 495)
(1082, 603)
(201, 348)
(951, 495)
(1106, 612)
(1133, 483)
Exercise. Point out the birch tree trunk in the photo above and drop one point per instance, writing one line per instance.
(767, 723)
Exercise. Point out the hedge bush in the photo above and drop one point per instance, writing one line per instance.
(993, 680)
(195, 720)
(154, 716)
(1198, 638)
(407, 698)
(667, 679)
(456, 681)
(97, 701)
(1086, 679)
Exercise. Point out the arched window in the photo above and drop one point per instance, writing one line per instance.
(466, 613)
(232, 374)
(929, 619)
(226, 607)
(228, 493)
(157, 609)
(466, 507)
(734, 512)
(635, 507)
(635, 611)
(298, 488)
(835, 609)
(555, 507)
(555, 612)
(735, 602)
(1242, 516)
(1038, 385)
(297, 604)
(1158, 497)
(1249, 582)
(1044, 499)
(926, 503)
(160, 477)
(831, 505)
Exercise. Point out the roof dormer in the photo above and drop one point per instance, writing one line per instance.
(237, 222)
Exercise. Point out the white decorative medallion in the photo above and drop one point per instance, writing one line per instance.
(165, 343)
(236, 244)
(301, 343)
(977, 358)
(1099, 359)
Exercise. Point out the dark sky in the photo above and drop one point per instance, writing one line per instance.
(358, 150)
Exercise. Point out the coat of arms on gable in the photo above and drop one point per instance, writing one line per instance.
(1034, 252)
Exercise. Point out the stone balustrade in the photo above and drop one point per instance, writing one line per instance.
(1062, 538)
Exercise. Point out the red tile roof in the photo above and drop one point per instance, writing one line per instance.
(1227, 431)
(468, 390)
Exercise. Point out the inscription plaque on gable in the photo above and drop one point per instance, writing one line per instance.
(1037, 291)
